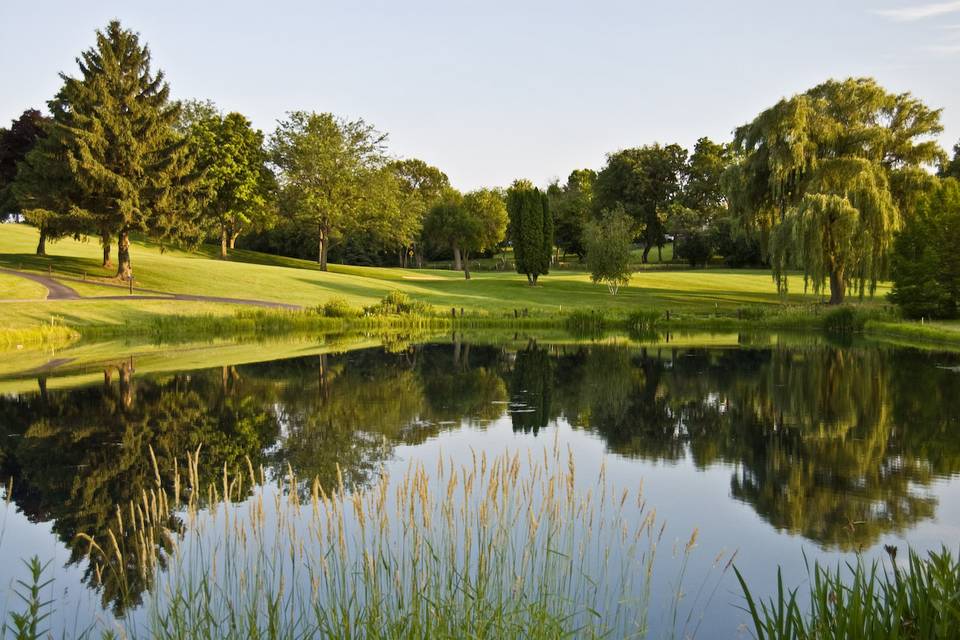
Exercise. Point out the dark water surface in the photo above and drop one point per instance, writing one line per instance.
(770, 450)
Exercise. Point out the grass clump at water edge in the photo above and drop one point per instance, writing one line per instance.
(865, 601)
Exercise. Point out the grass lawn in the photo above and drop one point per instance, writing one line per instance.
(265, 277)
(14, 288)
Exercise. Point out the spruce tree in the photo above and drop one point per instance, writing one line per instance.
(130, 168)
(531, 229)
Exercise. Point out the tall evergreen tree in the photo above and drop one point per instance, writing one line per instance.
(828, 175)
(531, 229)
(130, 169)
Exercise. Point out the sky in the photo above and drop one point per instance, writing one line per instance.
(494, 91)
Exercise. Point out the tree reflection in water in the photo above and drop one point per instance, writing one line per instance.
(832, 443)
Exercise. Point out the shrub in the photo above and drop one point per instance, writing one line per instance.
(844, 320)
(642, 320)
(398, 303)
(586, 324)
(338, 307)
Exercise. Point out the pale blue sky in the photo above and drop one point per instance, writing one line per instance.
(492, 91)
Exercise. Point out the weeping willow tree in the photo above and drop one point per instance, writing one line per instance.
(827, 176)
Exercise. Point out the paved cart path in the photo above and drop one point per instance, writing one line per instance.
(59, 291)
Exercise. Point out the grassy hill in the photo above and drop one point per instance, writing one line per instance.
(264, 277)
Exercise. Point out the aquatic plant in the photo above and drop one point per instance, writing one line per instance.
(505, 546)
(865, 601)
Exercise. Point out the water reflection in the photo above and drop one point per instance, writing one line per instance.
(832, 443)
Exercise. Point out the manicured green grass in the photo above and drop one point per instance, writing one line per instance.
(264, 277)
(14, 288)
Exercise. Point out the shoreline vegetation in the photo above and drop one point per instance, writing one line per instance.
(490, 547)
(338, 317)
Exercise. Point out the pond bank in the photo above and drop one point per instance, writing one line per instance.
(641, 324)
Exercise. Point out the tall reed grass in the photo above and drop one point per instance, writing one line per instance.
(509, 546)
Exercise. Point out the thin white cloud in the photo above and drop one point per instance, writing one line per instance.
(945, 49)
(919, 12)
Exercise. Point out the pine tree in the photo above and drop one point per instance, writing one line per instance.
(531, 229)
(130, 168)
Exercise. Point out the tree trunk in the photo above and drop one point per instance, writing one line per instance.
(233, 239)
(322, 250)
(124, 268)
(466, 265)
(42, 243)
(105, 245)
(224, 240)
(659, 253)
(126, 383)
(646, 253)
(838, 289)
(457, 262)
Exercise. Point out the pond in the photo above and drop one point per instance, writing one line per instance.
(770, 449)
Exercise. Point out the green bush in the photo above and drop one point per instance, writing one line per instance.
(844, 320)
(586, 324)
(398, 303)
(338, 307)
(642, 320)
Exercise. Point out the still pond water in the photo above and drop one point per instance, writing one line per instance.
(772, 450)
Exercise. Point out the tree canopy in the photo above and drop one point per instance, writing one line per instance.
(237, 185)
(607, 245)
(131, 170)
(826, 176)
(571, 205)
(925, 266)
(420, 187)
(22, 136)
(467, 224)
(531, 229)
(644, 181)
(327, 166)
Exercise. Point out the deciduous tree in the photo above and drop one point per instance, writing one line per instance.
(644, 181)
(467, 224)
(237, 185)
(607, 244)
(421, 186)
(828, 176)
(925, 265)
(15, 143)
(571, 205)
(327, 165)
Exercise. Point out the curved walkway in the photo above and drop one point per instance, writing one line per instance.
(59, 291)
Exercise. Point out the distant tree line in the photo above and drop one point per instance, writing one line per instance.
(844, 182)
